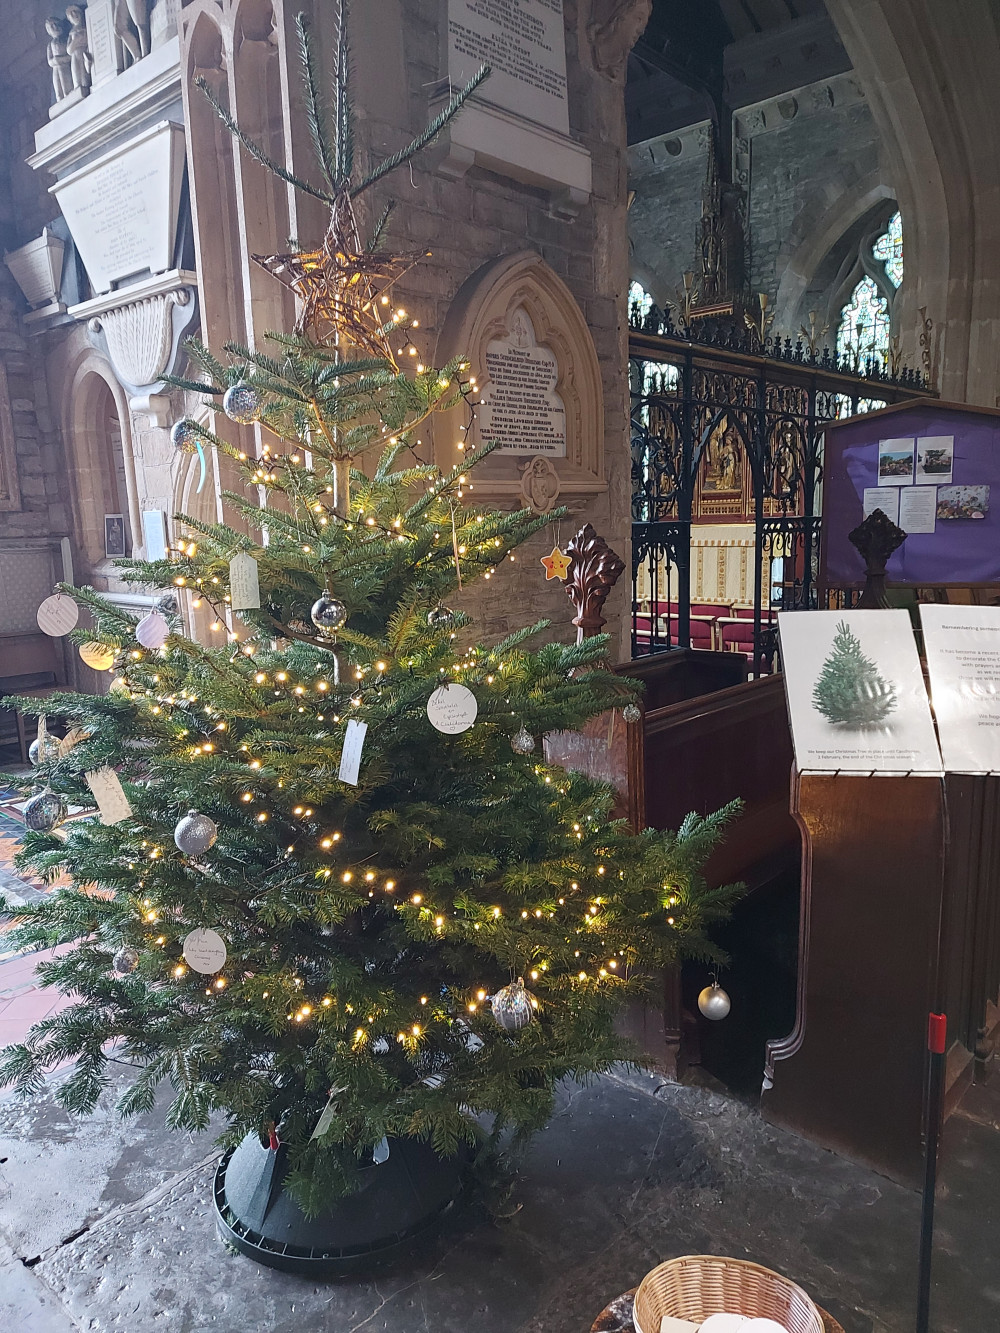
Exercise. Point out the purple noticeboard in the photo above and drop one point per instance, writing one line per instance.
(962, 550)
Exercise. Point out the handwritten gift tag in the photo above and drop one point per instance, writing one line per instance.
(204, 950)
(452, 709)
(112, 803)
(244, 583)
(350, 758)
(57, 615)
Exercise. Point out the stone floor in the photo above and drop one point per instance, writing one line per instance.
(105, 1226)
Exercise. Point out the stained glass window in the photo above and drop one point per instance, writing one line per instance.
(889, 248)
(863, 335)
(639, 301)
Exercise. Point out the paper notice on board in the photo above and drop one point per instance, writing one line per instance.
(963, 660)
(918, 509)
(895, 462)
(885, 498)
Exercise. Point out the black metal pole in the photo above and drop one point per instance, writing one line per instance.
(937, 1027)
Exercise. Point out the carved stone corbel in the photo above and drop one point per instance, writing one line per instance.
(142, 339)
(614, 28)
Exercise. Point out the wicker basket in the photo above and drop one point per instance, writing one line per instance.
(698, 1285)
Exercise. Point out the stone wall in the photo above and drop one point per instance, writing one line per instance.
(811, 164)
(25, 207)
(471, 220)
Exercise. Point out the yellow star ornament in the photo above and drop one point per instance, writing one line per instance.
(556, 565)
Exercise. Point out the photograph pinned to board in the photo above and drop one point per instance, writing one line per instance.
(895, 462)
(855, 691)
(935, 458)
(918, 509)
(962, 644)
(963, 502)
(885, 498)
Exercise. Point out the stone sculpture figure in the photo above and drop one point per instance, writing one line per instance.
(59, 60)
(131, 24)
(80, 60)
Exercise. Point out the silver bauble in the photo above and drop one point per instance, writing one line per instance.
(631, 712)
(43, 750)
(184, 434)
(523, 742)
(328, 614)
(195, 833)
(242, 403)
(167, 604)
(714, 1003)
(512, 1007)
(126, 960)
(43, 812)
(440, 617)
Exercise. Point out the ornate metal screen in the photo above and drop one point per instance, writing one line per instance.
(724, 427)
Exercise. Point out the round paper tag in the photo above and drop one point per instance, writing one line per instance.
(205, 950)
(152, 631)
(97, 656)
(57, 615)
(452, 708)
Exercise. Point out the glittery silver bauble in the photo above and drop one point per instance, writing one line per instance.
(631, 712)
(44, 750)
(184, 434)
(440, 617)
(126, 960)
(167, 604)
(328, 614)
(512, 1006)
(195, 833)
(242, 403)
(714, 1003)
(44, 811)
(523, 742)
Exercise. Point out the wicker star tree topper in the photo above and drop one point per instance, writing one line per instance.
(344, 287)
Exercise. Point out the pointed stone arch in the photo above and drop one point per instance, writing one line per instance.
(483, 312)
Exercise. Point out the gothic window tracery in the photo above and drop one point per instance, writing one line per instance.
(864, 333)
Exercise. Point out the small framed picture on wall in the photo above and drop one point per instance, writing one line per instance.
(114, 535)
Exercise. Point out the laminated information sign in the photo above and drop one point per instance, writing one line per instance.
(963, 660)
(856, 694)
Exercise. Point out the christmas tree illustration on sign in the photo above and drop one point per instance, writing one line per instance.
(851, 691)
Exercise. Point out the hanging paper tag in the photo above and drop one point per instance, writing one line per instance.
(244, 584)
(326, 1115)
(380, 1153)
(452, 709)
(350, 758)
(97, 656)
(111, 799)
(205, 950)
(57, 615)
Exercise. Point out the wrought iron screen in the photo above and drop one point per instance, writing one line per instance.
(760, 407)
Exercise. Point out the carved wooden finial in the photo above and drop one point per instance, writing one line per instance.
(593, 572)
(875, 540)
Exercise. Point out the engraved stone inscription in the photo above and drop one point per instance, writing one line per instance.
(524, 44)
(122, 211)
(520, 405)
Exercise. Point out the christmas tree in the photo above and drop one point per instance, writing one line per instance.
(850, 690)
(344, 898)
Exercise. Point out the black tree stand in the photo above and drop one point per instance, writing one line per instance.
(400, 1201)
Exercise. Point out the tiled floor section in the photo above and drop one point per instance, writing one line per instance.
(22, 1001)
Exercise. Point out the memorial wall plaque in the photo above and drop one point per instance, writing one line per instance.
(122, 208)
(520, 406)
(524, 43)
